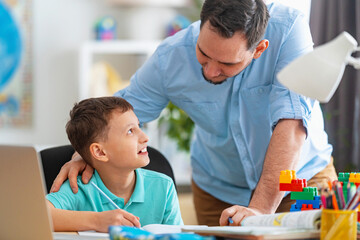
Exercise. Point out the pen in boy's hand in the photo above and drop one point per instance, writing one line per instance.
(106, 196)
(230, 220)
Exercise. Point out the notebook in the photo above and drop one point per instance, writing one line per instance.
(23, 209)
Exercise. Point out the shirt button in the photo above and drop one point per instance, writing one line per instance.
(260, 91)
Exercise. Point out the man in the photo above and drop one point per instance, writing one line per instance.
(222, 73)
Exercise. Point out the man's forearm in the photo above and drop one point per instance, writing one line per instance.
(283, 153)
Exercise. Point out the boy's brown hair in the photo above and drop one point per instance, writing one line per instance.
(89, 122)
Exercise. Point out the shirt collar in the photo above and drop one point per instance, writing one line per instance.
(137, 196)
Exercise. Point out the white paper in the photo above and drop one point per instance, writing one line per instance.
(163, 228)
(94, 234)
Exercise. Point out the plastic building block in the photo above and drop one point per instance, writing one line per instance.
(306, 207)
(286, 176)
(315, 203)
(293, 208)
(354, 177)
(296, 185)
(308, 193)
(343, 177)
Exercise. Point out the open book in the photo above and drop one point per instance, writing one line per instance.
(294, 225)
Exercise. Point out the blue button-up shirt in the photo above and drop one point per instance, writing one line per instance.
(234, 120)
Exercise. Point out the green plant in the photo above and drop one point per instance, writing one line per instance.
(179, 126)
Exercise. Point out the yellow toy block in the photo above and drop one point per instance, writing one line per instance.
(354, 177)
(287, 175)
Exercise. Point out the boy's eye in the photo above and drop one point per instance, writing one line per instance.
(130, 131)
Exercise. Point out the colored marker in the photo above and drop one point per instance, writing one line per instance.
(230, 220)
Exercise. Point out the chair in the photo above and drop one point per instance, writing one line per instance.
(54, 158)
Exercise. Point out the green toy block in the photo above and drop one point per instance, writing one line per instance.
(343, 177)
(308, 193)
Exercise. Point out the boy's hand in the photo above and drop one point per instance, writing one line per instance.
(71, 170)
(237, 213)
(116, 217)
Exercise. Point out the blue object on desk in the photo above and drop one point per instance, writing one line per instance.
(133, 233)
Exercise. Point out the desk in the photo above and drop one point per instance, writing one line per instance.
(75, 236)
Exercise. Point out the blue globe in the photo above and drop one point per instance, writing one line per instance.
(10, 46)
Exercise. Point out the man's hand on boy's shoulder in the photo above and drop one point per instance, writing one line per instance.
(115, 217)
(70, 171)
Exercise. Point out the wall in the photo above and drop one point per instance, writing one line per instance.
(60, 27)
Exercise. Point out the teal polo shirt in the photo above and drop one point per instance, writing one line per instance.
(154, 199)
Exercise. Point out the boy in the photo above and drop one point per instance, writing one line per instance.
(105, 132)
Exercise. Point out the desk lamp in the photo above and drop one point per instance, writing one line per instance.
(318, 73)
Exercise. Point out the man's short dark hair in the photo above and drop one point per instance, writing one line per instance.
(229, 16)
(89, 121)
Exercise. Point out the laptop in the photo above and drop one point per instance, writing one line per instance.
(23, 209)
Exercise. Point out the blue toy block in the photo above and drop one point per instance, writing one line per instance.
(315, 203)
(294, 209)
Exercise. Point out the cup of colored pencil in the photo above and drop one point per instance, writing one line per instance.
(339, 215)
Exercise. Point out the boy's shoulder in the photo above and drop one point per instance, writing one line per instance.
(65, 187)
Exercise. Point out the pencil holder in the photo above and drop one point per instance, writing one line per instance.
(338, 224)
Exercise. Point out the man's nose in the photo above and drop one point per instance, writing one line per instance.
(211, 69)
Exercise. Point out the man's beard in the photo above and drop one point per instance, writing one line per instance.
(208, 80)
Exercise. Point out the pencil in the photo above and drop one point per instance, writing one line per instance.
(106, 196)
(334, 202)
(341, 195)
(323, 198)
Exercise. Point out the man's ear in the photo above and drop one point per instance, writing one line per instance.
(261, 47)
(98, 152)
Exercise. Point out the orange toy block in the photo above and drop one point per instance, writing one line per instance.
(286, 176)
(354, 178)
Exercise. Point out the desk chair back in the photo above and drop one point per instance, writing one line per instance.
(54, 158)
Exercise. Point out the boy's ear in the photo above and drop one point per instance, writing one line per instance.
(98, 152)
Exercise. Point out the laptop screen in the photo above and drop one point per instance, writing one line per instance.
(23, 209)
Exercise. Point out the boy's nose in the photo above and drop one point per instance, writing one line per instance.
(144, 137)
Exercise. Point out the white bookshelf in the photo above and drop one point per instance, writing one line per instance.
(90, 50)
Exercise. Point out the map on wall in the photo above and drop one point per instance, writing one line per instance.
(16, 95)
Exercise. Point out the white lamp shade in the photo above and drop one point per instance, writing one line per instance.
(318, 73)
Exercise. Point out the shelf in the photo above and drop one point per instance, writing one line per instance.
(120, 47)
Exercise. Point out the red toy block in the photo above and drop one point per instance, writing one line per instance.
(285, 186)
(296, 185)
(306, 207)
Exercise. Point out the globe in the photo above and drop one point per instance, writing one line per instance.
(10, 46)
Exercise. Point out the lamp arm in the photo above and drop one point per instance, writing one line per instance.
(355, 62)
